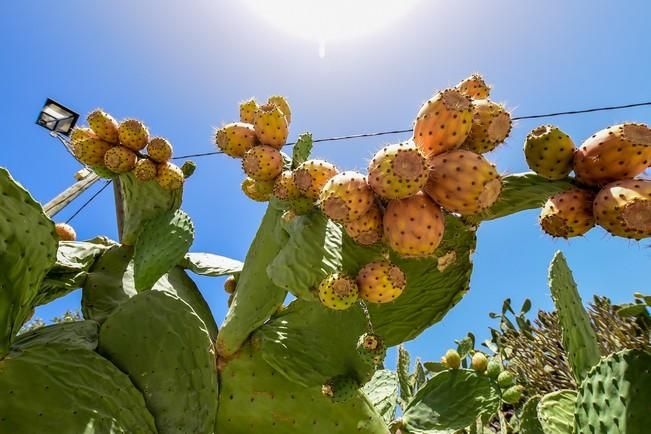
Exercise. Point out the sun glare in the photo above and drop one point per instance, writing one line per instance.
(324, 21)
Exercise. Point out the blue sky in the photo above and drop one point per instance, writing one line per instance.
(182, 67)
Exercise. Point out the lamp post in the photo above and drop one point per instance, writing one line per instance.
(57, 118)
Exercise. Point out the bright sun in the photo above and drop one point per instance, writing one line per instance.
(331, 20)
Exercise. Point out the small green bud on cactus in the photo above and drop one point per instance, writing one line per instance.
(452, 359)
(188, 168)
(340, 389)
(371, 349)
(513, 394)
(505, 379)
(493, 369)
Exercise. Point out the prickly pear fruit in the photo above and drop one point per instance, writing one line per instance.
(452, 359)
(338, 291)
(230, 284)
(346, 197)
(247, 110)
(133, 134)
(380, 282)
(280, 102)
(366, 229)
(301, 205)
(340, 388)
(491, 125)
(493, 369)
(371, 349)
(474, 87)
(312, 175)
(235, 139)
(619, 152)
(80, 133)
(479, 362)
(397, 171)
(413, 227)
(505, 379)
(549, 152)
(623, 208)
(145, 169)
(285, 188)
(104, 126)
(159, 149)
(463, 182)
(270, 126)
(170, 176)
(568, 213)
(443, 123)
(263, 163)
(120, 159)
(513, 394)
(65, 232)
(91, 151)
(260, 191)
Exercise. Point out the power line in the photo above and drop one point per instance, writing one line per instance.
(88, 201)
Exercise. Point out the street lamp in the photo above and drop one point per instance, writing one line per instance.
(57, 118)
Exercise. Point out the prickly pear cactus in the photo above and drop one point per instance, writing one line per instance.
(556, 412)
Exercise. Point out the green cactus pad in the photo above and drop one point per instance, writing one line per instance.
(142, 201)
(256, 297)
(56, 388)
(529, 423)
(164, 347)
(615, 396)
(208, 264)
(28, 245)
(77, 334)
(382, 391)
(402, 370)
(451, 400)
(162, 243)
(255, 398)
(579, 338)
(302, 149)
(556, 412)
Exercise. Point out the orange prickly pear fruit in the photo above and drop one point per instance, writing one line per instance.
(285, 188)
(235, 139)
(623, 208)
(271, 126)
(380, 282)
(145, 169)
(120, 159)
(263, 163)
(366, 229)
(283, 105)
(346, 197)
(104, 126)
(159, 149)
(133, 134)
(338, 291)
(91, 151)
(170, 176)
(568, 213)
(491, 125)
(65, 232)
(312, 175)
(474, 87)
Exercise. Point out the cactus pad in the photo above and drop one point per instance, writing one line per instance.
(208, 264)
(382, 391)
(556, 412)
(529, 423)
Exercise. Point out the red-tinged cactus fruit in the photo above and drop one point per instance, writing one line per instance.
(247, 111)
(463, 182)
(491, 125)
(119, 159)
(413, 227)
(312, 175)
(133, 134)
(159, 149)
(346, 197)
(280, 102)
(104, 126)
(623, 208)
(474, 87)
(301, 205)
(381, 282)
(270, 126)
(285, 188)
(549, 152)
(443, 122)
(145, 169)
(621, 151)
(91, 151)
(263, 163)
(366, 229)
(235, 139)
(338, 291)
(568, 214)
(397, 171)
(260, 191)
(169, 176)
(65, 232)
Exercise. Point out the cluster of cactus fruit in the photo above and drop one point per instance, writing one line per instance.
(344, 266)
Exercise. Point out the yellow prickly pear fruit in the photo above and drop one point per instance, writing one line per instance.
(280, 102)
(623, 208)
(169, 176)
(133, 134)
(80, 133)
(568, 213)
(159, 149)
(235, 139)
(491, 125)
(270, 126)
(413, 227)
(549, 152)
(104, 126)
(366, 229)
(474, 87)
(145, 169)
(463, 182)
(91, 151)
(619, 152)
(260, 191)
(285, 188)
(443, 122)
(65, 232)
(397, 171)
(120, 159)
(262, 163)
(312, 175)
(380, 282)
(452, 359)
(338, 291)
(346, 196)
(247, 110)
(230, 284)
(479, 362)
